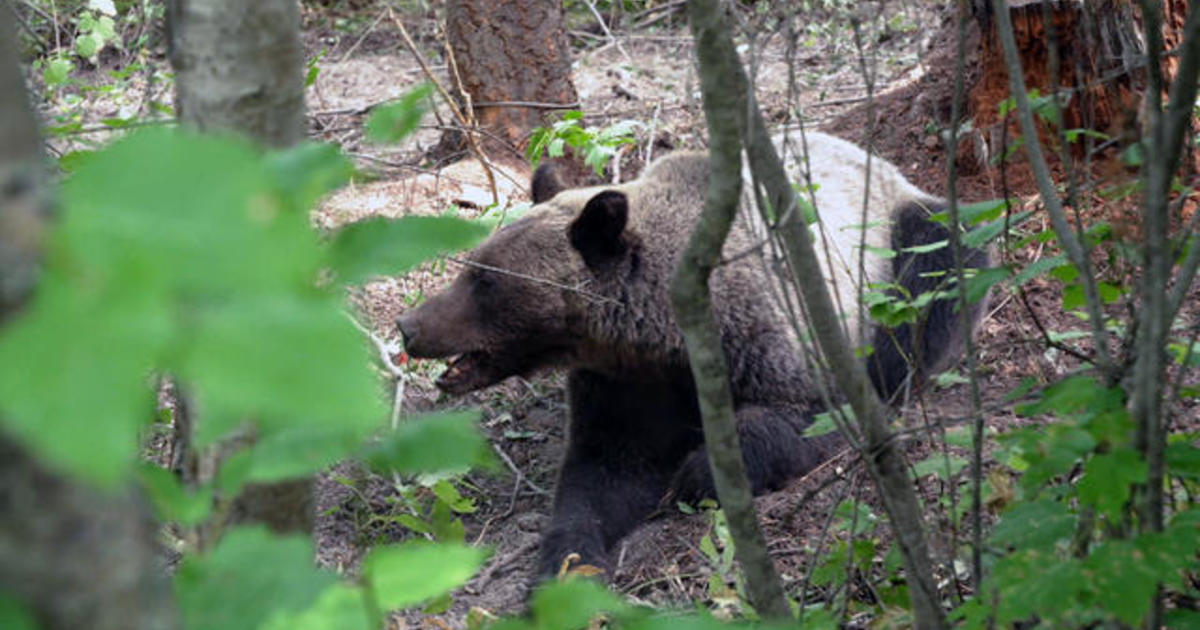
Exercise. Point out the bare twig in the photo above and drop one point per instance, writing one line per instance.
(841, 101)
(472, 142)
(109, 128)
(363, 37)
(517, 471)
(24, 24)
(607, 33)
(558, 285)
(529, 104)
(386, 350)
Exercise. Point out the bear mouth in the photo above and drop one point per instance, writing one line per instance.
(468, 372)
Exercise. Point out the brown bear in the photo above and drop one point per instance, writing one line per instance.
(581, 282)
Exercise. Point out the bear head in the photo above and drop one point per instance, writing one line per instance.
(522, 299)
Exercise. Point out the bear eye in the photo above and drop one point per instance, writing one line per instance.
(484, 280)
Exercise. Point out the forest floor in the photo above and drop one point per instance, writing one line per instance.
(648, 76)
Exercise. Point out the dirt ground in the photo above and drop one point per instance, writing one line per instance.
(648, 76)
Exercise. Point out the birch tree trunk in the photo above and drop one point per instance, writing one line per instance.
(240, 68)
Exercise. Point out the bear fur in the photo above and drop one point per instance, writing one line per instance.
(582, 282)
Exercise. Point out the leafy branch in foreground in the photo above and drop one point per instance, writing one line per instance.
(194, 255)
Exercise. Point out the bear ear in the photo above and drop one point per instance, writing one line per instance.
(546, 183)
(597, 231)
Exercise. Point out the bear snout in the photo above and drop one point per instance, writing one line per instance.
(409, 331)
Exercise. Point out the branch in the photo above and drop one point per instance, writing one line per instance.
(1058, 218)
(693, 307)
(885, 462)
(472, 142)
(1178, 115)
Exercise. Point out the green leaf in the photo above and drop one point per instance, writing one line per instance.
(74, 373)
(337, 607)
(1183, 460)
(287, 362)
(1107, 478)
(1072, 395)
(1109, 292)
(1034, 584)
(925, 249)
(386, 246)
(1181, 619)
(87, 45)
(882, 252)
(171, 500)
(986, 233)
(950, 378)
(74, 160)
(304, 173)
(1034, 525)
(200, 208)
(395, 122)
(1039, 267)
(974, 213)
(856, 515)
(445, 441)
(448, 494)
(572, 604)
(105, 29)
(57, 71)
(1122, 581)
(14, 615)
(314, 70)
(246, 579)
(944, 466)
(979, 284)
(287, 452)
(408, 574)
(822, 424)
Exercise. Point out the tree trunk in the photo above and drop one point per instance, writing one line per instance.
(239, 67)
(77, 558)
(513, 64)
(1090, 53)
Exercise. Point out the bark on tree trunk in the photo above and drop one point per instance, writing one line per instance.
(1089, 52)
(513, 63)
(238, 67)
(76, 557)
